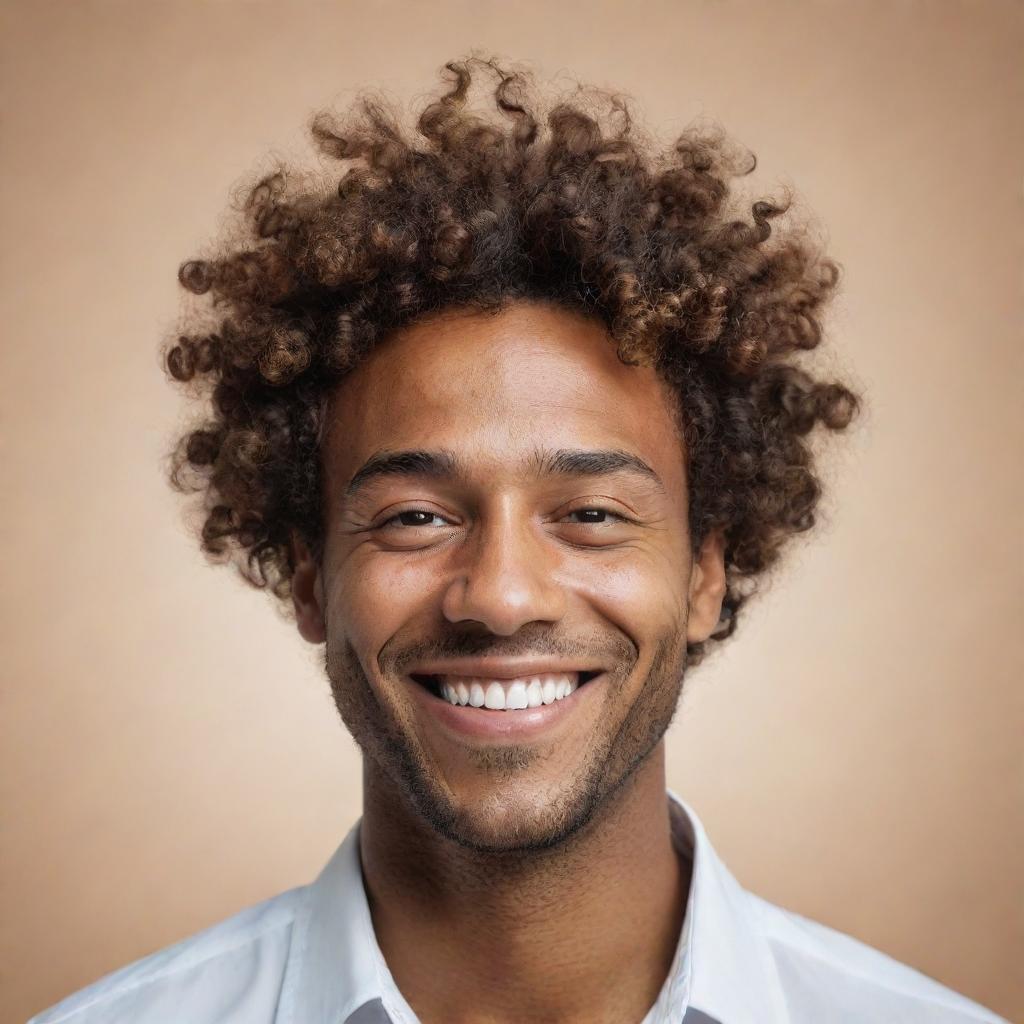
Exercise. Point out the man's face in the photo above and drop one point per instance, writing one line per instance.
(507, 517)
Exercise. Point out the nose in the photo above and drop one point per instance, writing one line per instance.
(507, 579)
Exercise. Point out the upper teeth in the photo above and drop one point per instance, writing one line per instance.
(510, 694)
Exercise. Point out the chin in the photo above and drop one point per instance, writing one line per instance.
(515, 819)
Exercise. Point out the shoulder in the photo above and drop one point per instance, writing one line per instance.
(230, 971)
(831, 976)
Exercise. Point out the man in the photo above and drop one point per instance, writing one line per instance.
(512, 418)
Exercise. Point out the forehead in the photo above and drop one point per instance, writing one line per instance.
(495, 387)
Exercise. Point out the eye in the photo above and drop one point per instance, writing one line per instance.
(597, 516)
(413, 517)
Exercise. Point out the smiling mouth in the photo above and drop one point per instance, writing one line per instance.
(505, 694)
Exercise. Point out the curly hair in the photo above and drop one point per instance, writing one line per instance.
(567, 202)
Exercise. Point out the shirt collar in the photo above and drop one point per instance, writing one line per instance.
(732, 972)
(332, 964)
(723, 967)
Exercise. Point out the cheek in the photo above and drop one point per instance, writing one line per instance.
(643, 594)
(374, 598)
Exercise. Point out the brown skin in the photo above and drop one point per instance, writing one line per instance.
(511, 881)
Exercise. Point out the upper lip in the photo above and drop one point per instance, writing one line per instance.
(499, 668)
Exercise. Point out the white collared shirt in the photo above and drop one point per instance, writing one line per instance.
(309, 956)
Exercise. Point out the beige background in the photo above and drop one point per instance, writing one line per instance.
(170, 753)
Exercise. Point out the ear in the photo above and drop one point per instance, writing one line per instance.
(308, 593)
(707, 588)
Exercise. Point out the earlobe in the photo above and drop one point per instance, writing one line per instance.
(307, 594)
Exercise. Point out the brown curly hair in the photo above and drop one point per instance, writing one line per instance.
(571, 206)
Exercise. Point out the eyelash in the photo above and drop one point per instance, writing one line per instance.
(393, 520)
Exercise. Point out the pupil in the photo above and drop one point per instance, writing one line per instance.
(409, 518)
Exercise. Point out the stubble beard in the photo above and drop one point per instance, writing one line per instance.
(608, 765)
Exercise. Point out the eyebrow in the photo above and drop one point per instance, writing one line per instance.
(446, 465)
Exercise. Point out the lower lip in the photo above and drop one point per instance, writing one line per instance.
(522, 724)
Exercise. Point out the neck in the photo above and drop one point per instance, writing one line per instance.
(585, 931)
